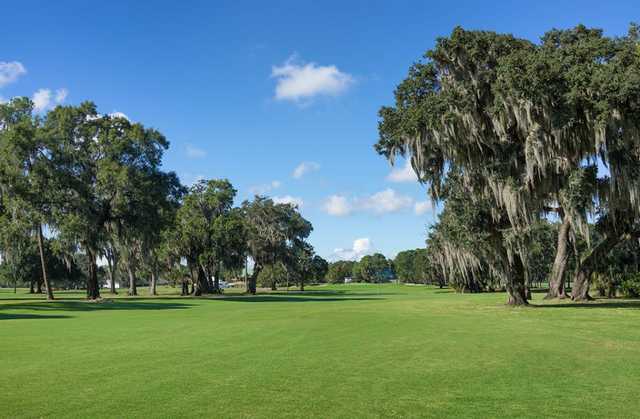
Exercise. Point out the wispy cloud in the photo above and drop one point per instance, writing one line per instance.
(265, 188)
(421, 207)
(296, 81)
(61, 95)
(338, 205)
(190, 179)
(403, 174)
(304, 168)
(194, 152)
(10, 72)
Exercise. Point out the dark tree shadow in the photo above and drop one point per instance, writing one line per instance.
(15, 316)
(627, 304)
(289, 299)
(327, 293)
(108, 305)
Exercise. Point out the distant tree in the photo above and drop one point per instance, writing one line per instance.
(271, 230)
(27, 175)
(340, 270)
(319, 268)
(372, 268)
(210, 232)
(405, 265)
(272, 275)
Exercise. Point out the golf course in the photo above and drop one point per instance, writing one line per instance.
(360, 350)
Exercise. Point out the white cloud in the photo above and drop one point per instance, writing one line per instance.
(44, 99)
(404, 174)
(41, 99)
(194, 152)
(361, 247)
(265, 188)
(422, 207)
(61, 95)
(296, 81)
(116, 114)
(304, 168)
(10, 71)
(338, 206)
(386, 201)
(383, 202)
(288, 199)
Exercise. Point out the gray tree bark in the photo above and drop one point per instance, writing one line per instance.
(556, 280)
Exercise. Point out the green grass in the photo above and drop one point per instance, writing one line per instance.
(339, 351)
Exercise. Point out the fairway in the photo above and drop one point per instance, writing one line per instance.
(334, 351)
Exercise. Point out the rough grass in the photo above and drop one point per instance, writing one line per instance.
(340, 351)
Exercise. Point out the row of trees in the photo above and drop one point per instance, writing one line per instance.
(77, 186)
(509, 134)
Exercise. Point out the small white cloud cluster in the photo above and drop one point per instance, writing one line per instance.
(361, 247)
(42, 99)
(304, 168)
(299, 81)
(383, 202)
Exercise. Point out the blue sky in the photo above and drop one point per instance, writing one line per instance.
(252, 91)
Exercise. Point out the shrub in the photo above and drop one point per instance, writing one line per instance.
(631, 285)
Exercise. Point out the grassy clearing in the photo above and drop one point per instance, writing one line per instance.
(338, 351)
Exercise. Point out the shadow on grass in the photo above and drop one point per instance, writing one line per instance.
(328, 293)
(15, 316)
(289, 299)
(107, 305)
(627, 304)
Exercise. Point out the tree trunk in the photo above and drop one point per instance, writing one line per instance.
(39, 286)
(185, 288)
(517, 293)
(253, 279)
(216, 281)
(133, 290)
(202, 284)
(45, 279)
(112, 265)
(31, 290)
(153, 283)
(93, 288)
(556, 280)
(515, 285)
(582, 277)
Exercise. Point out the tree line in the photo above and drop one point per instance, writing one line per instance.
(77, 186)
(520, 142)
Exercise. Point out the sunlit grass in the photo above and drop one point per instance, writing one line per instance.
(335, 351)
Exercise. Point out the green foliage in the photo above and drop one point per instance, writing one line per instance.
(630, 285)
(271, 276)
(340, 270)
(373, 268)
